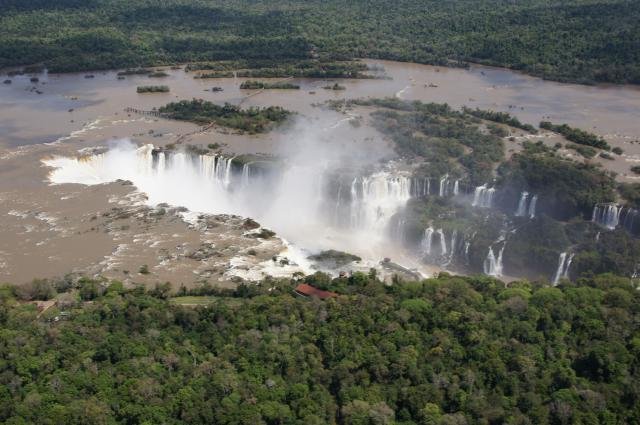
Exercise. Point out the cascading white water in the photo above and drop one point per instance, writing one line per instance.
(452, 248)
(629, 220)
(483, 196)
(283, 195)
(526, 205)
(292, 202)
(568, 266)
(444, 183)
(522, 204)
(467, 245)
(399, 235)
(376, 198)
(560, 268)
(212, 167)
(492, 264)
(246, 174)
(420, 186)
(454, 237)
(443, 242)
(607, 215)
(162, 163)
(564, 264)
(532, 206)
(456, 187)
(426, 241)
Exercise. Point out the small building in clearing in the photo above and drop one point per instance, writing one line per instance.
(305, 290)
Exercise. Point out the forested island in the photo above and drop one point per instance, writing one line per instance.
(153, 89)
(258, 85)
(252, 120)
(577, 40)
(447, 350)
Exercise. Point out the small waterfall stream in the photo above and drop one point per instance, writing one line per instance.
(564, 263)
(607, 215)
(492, 264)
(522, 205)
(532, 206)
(526, 206)
(443, 242)
(483, 196)
(444, 183)
(427, 239)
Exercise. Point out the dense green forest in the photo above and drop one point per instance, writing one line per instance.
(448, 350)
(577, 40)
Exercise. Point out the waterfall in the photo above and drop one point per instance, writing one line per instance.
(560, 269)
(376, 198)
(246, 173)
(162, 163)
(522, 204)
(443, 242)
(456, 187)
(145, 159)
(525, 209)
(420, 187)
(467, 245)
(607, 215)
(353, 212)
(426, 240)
(483, 196)
(212, 167)
(532, 206)
(628, 219)
(568, 266)
(399, 231)
(564, 264)
(452, 247)
(298, 201)
(336, 208)
(227, 171)
(454, 236)
(493, 265)
(444, 182)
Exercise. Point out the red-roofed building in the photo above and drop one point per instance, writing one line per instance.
(309, 291)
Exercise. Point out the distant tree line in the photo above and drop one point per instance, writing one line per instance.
(575, 40)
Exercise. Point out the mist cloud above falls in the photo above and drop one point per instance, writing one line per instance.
(299, 201)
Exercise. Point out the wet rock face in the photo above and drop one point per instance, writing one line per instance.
(250, 224)
(205, 251)
(262, 234)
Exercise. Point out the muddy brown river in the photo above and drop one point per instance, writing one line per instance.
(108, 229)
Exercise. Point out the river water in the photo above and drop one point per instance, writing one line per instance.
(28, 117)
(62, 114)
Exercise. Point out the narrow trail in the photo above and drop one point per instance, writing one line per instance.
(261, 90)
(181, 137)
